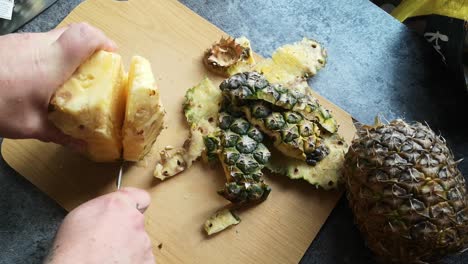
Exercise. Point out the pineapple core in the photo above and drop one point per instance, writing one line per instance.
(144, 112)
(90, 106)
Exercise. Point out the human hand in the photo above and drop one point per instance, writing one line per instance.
(33, 67)
(108, 229)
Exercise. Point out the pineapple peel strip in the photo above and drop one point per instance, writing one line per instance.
(201, 109)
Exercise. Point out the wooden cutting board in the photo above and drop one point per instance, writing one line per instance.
(174, 38)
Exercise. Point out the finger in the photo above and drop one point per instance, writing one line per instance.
(138, 198)
(51, 133)
(80, 41)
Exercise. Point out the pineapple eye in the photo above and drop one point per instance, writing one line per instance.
(230, 139)
(260, 111)
(247, 165)
(231, 157)
(225, 121)
(255, 192)
(255, 134)
(286, 101)
(292, 117)
(246, 145)
(270, 93)
(262, 156)
(305, 129)
(240, 126)
(290, 133)
(210, 143)
(275, 121)
(243, 92)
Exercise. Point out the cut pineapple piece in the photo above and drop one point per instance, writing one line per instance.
(220, 221)
(144, 115)
(90, 106)
(201, 107)
(326, 174)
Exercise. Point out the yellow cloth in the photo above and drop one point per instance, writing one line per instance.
(451, 8)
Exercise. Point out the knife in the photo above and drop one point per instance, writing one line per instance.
(23, 12)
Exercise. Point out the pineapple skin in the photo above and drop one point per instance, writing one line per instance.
(327, 174)
(220, 221)
(407, 194)
(144, 114)
(201, 106)
(292, 64)
(90, 106)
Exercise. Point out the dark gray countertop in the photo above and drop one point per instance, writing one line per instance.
(376, 66)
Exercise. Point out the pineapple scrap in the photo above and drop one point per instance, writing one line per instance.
(90, 106)
(327, 174)
(294, 63)
(144, 115)
(201, 107)
(229, 56)
(220, 221)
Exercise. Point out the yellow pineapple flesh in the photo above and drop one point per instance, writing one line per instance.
(90, 106)
(144, 114)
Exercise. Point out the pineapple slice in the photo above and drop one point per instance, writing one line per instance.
(144, 115)
(91, 104)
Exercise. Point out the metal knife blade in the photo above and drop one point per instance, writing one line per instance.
(23, 12)
(119, 178)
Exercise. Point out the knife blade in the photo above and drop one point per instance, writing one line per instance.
(119, 177)
(23, 12)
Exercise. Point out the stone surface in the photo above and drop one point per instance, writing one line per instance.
(376, 66)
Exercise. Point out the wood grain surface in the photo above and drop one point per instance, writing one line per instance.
(173, 38)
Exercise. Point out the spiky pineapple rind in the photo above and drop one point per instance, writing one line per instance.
(201, 107)
(326, 174)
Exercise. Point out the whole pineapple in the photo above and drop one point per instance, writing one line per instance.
(407, 194)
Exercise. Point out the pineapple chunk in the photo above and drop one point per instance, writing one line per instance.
(90, 106)
(144, 115)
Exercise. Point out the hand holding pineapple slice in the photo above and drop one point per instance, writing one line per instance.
(113, 114)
